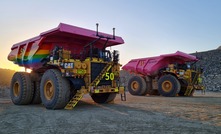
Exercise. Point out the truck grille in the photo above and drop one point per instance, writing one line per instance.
(96, 69)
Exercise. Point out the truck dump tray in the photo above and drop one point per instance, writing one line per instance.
(30, 53)
(150, 66)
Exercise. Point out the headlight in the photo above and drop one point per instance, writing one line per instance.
(188, 66)
(181, 73)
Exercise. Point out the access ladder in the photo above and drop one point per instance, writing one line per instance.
(73, 102)
(80, 93)
(190, 86)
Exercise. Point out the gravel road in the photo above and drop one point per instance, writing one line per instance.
(148, 114)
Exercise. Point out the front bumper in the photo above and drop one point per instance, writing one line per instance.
(119, 90)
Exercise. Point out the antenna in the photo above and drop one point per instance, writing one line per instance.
(102, 36)
(97, 29)
(114, 33)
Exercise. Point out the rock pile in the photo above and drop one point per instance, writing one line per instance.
(211, 63)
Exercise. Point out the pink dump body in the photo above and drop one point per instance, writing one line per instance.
(150, 66)
(32, 52)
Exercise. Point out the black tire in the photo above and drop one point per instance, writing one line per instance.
(148, 85)
(136, 85)
(35, 80)
(103, 97)
(183, 88)
(21, 91)
(54, 90)
(73, 91)
(149, 89)
(168, 86)
(36, 97)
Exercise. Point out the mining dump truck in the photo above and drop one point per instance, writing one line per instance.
(167, 75)
(66, 62)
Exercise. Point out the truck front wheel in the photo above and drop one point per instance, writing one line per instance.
(54, 90)
(137, 85)
(103, 97)
(184, 85)
(168, 86)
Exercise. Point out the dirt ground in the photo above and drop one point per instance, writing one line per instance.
(200, 114)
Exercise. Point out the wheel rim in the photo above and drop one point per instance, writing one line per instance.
(49, 90)
(134, 85)
(16, 89)
(167, 86)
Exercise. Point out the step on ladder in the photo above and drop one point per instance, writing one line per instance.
(123, 96)
(188, 90)
(73, 102)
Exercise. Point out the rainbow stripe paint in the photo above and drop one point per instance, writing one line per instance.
(31, 58)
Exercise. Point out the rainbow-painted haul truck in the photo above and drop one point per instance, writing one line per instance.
(66, 62)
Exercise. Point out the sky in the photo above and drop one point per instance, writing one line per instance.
(148, 27)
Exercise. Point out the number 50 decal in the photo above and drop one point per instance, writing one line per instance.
(109, 76)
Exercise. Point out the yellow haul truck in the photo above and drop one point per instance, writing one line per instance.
(66, 62)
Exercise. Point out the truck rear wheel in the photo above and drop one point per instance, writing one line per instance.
(35, 81)
(168, 86)
(149, 89)
(54, 90)
(103, 97)
(21, 91)
(137, 85)
(36, 96)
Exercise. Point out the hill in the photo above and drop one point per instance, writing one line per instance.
(5, 77)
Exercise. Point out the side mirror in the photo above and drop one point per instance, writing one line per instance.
(116, 55)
